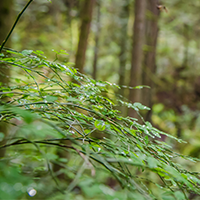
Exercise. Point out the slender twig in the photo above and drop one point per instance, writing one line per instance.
(38, 88)
(13, 27)
(37, 72)
(166, 185)
(25, 141)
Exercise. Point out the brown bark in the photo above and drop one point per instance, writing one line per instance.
(84, 33)
(5, 26)
(96, 49)
(137, 53)
(86, 17)
(123, 44)
(149, 67)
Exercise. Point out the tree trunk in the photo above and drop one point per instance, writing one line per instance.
(123, 45)
(5, 26)
(97, 34)
(123, 38)
(149, 66)
(137, 53)
(86, 17)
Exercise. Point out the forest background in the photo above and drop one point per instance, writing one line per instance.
(105, 42)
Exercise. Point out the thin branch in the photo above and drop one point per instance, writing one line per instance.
(13, 27)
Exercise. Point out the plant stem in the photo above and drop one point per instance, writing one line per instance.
(13, 27)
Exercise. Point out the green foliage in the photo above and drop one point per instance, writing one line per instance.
(12, 183)
(51, 106)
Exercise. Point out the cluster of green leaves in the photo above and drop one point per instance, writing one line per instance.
(51, 106)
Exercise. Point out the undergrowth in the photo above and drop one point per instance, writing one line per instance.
(50, 108)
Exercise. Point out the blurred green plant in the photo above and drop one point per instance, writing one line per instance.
(109, 155)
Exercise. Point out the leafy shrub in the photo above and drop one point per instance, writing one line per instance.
(52, 108)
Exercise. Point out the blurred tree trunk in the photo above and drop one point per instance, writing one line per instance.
(97, 34)
(5, 26)
(124, 17)
(70, 4)
(137, 53)
(149, 67)
(86, 17)
(123, 45)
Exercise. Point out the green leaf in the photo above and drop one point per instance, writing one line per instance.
(39, 52)
(27, 116)
(26, 52)
(64, 160)
(18, 80)
(100, 125)
(146, 139)
(148, 124)
(14, 52)
(141, 86)
(51, 98)
(168, 195)
(152, 162)
(72, 99)
(179, 195)
(140, 106)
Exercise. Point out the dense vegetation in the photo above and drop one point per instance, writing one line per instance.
(51, 108)
(65, 135)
